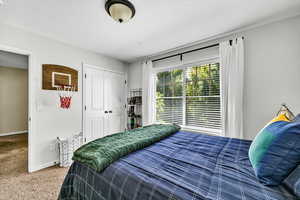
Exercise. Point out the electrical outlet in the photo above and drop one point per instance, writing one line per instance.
(54, 147)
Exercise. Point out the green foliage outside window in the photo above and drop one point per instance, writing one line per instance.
(169, 83)
(202, 86)
(203, 80)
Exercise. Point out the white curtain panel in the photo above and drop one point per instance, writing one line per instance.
(232, 86)
(148, 93)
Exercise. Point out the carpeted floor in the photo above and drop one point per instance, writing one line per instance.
(16, 183)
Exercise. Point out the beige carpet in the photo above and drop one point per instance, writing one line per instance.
(16, 183)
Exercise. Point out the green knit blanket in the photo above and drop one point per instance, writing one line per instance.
(102, 152)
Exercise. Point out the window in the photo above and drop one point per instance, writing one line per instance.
(190, 97)
(169, 96)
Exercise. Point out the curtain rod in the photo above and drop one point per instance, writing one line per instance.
(198, 49)
(180, 54)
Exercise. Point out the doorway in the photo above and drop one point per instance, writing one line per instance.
(15, 126)
(104, 96)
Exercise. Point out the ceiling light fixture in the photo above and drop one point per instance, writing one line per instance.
(120, 10)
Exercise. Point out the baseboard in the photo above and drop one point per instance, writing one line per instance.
(13, 133)
(43, 166)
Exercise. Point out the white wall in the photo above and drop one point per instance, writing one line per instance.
(272, 72)
(49, 121)
(135, 75)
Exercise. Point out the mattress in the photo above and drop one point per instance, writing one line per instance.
(187, 166)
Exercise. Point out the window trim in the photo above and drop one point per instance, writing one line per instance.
(184, 67)
(202, 130)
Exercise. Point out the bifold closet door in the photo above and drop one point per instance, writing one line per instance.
(104, 100)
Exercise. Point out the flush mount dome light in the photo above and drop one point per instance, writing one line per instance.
(120, 10)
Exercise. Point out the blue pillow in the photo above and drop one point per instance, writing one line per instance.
(293, 181)
(275, 151)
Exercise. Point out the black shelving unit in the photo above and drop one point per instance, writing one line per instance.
(134, 111)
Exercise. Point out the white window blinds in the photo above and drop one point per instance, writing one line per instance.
(190, 96)
(169, 96)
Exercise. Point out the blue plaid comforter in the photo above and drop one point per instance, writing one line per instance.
(183, 166)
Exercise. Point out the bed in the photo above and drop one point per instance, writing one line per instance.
(186, 166)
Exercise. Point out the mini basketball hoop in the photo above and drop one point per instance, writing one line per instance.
(65, 93)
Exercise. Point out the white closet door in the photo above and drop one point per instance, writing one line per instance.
(104, 100)
(115, 101)
(94, 122)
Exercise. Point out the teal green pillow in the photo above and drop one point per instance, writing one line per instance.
(275, 151)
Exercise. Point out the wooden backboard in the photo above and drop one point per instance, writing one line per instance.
(58, 75)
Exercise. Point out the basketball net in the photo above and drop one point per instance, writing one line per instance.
(65, 93)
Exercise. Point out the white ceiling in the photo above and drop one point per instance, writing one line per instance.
(158, 25)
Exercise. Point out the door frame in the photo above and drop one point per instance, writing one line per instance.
(31, 113)
(83, 93)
